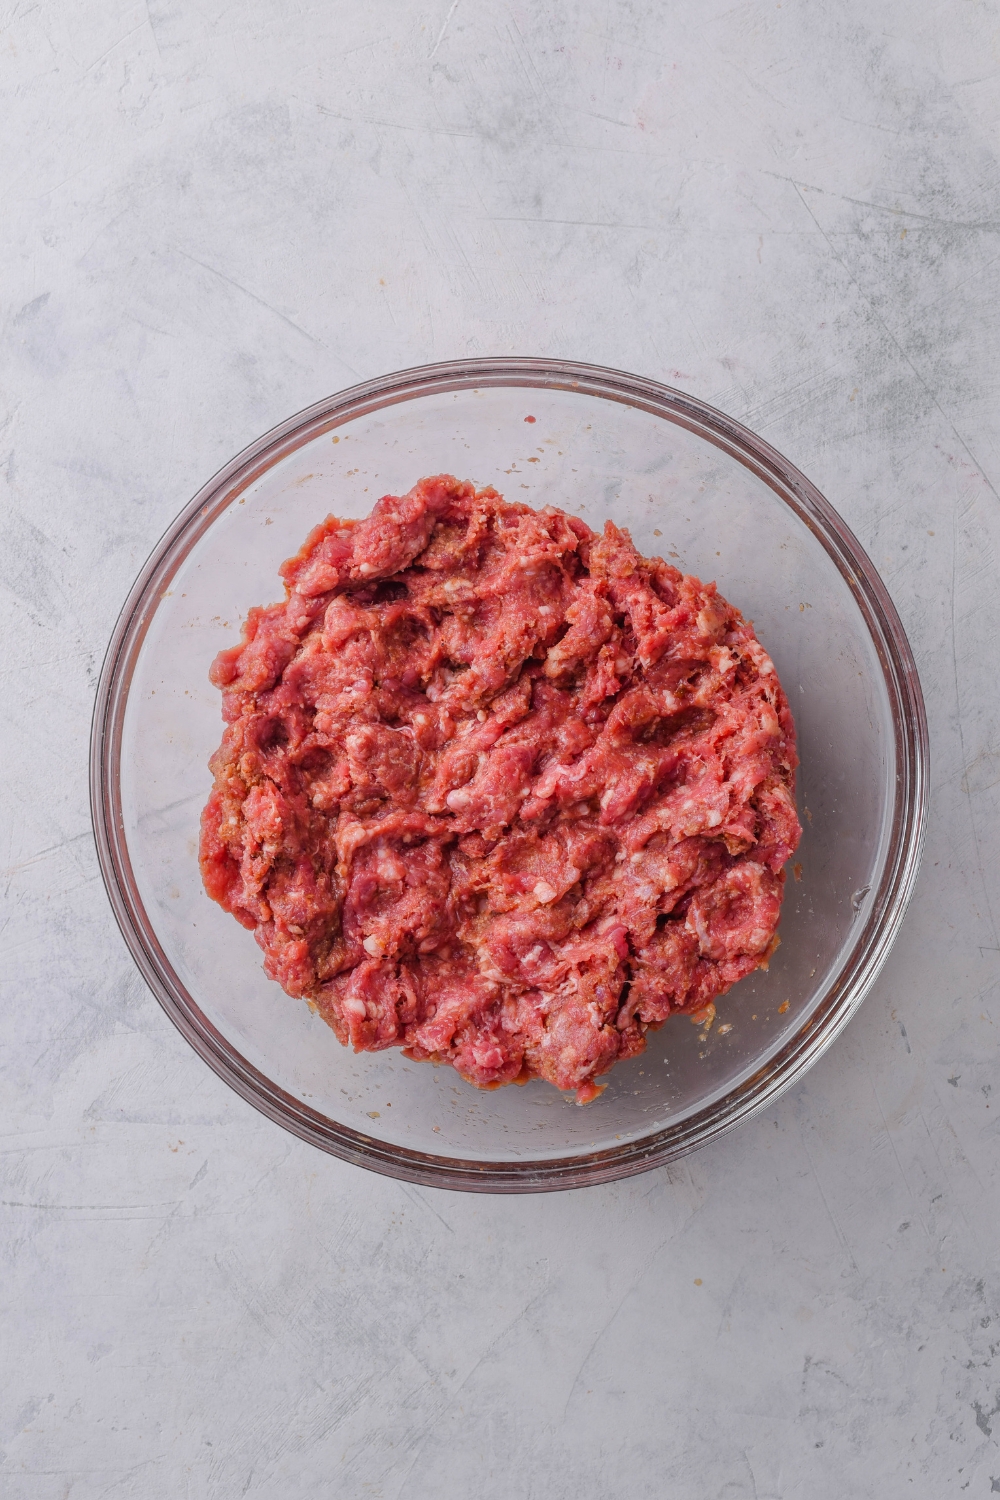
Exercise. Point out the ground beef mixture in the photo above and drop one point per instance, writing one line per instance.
(498, 790)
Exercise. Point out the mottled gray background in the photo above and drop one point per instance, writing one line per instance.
(216, 211)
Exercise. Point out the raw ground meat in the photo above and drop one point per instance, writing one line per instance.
(499, 790)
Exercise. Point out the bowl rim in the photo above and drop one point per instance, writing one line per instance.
(842, 996)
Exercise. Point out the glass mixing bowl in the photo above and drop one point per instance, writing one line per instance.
(690, 484)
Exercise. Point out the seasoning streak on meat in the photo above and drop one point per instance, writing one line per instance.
(499, 790)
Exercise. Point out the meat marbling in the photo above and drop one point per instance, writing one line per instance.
(499, 790)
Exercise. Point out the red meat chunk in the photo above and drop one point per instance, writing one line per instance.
(498, 790)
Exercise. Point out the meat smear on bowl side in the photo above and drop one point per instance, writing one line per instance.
(496, 789)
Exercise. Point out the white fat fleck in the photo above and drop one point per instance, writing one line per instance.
(373, 946)
(458, 799)
(420, 718)
(713, 818)
(544, 892)
(607, 796)
(366, 568)
(487, 970)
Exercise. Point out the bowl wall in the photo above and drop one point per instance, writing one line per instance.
(690, 485)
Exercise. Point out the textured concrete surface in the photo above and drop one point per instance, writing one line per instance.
(216, 212)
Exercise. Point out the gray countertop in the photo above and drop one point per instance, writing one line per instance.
(216, 213)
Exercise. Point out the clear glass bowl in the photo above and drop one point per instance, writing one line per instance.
(689, 483)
